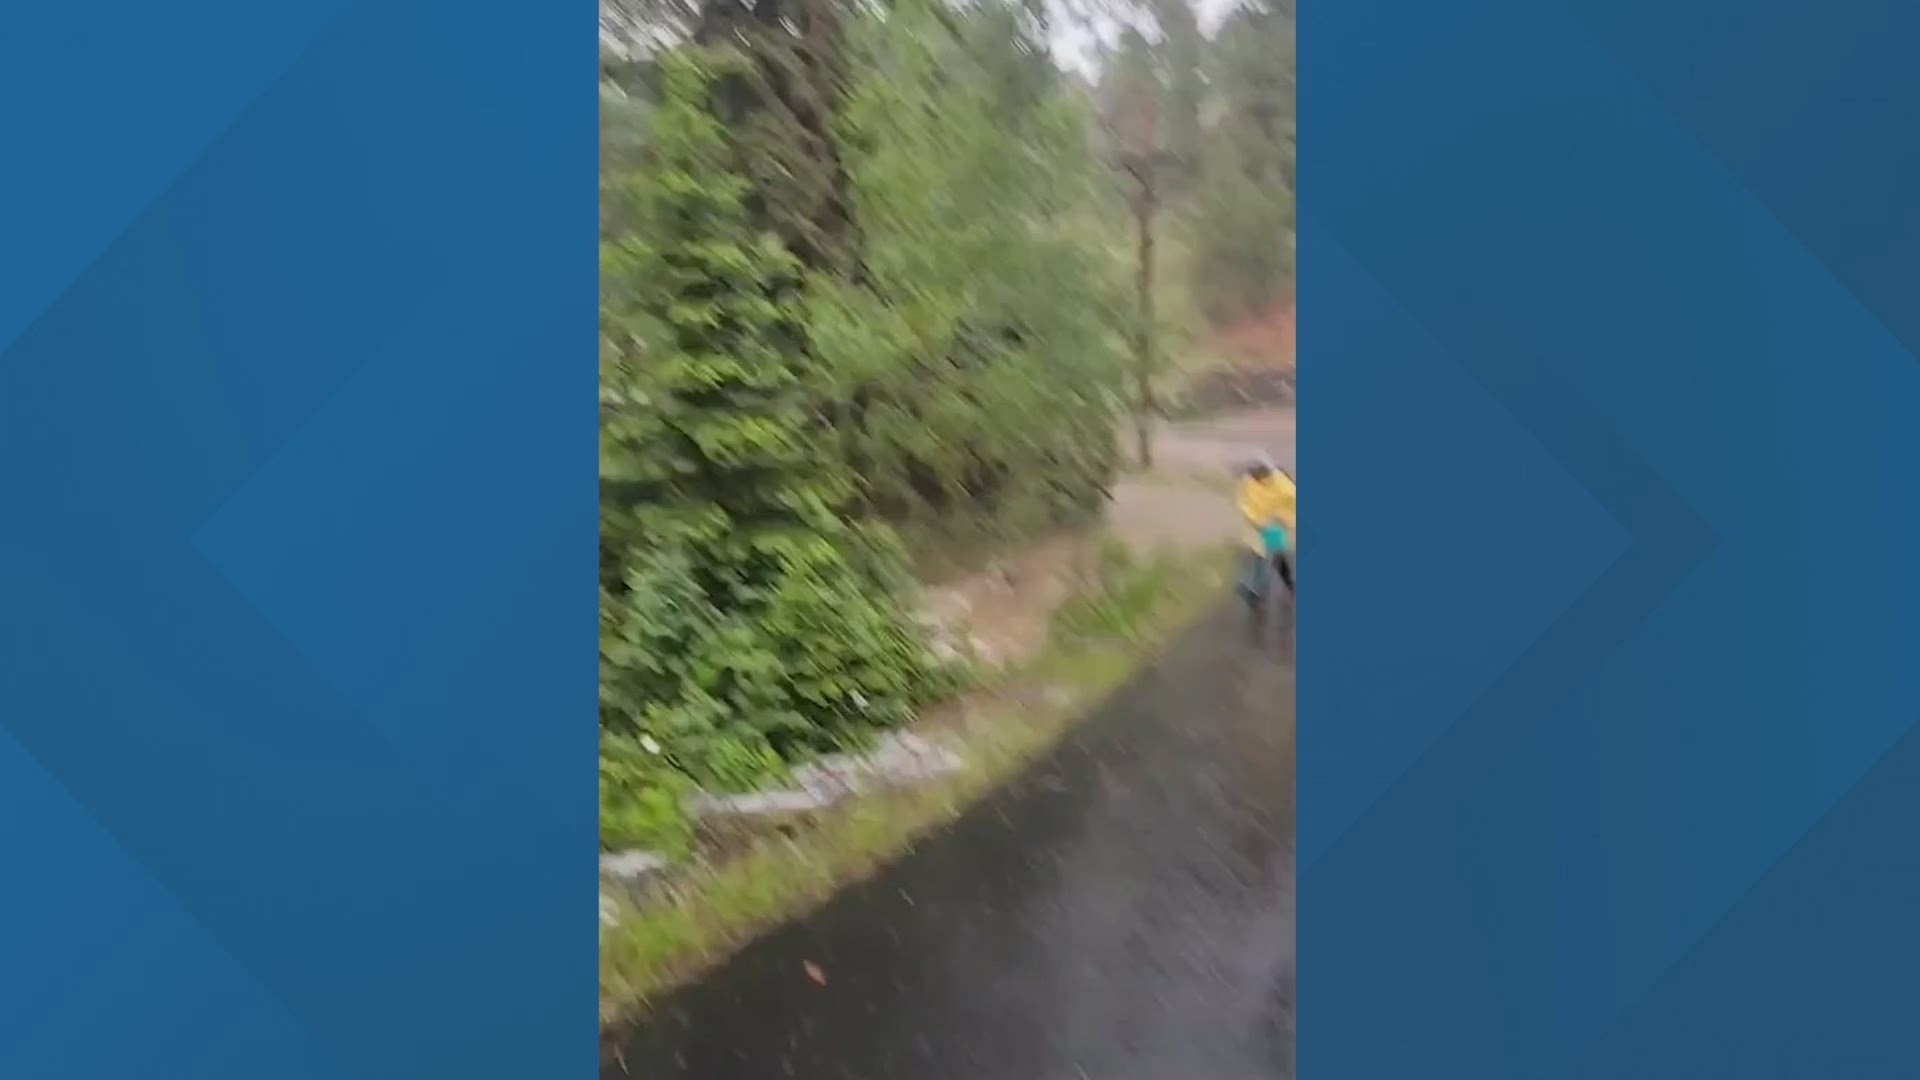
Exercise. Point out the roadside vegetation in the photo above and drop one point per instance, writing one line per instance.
(696, 918)
(883, 290)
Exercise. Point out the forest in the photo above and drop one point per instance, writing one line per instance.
(881, 280)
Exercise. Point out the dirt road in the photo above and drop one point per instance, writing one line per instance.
(1226, 441)
(1186, 501)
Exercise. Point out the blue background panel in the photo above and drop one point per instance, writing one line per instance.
(297, 413)
(1608, 395)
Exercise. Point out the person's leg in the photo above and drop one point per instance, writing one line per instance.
(1284, 564)
(1253, 579)
(1255, 584)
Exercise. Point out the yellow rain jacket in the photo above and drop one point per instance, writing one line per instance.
(1264, 501)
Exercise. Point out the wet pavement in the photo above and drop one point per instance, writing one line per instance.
(1124, 911)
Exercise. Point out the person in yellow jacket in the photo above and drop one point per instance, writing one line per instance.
(1267, 501)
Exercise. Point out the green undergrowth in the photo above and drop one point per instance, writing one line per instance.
(709, 908)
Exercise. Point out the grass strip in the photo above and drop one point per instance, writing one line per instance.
(708, 912)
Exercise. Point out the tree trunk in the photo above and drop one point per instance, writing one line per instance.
(1145, 207)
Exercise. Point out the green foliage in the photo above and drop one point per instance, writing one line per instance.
(977, 349)
(849, 284)
(745, 619)
(1244, 217)
(1183, 47)
(1135, 94)
(640, 798)
(1121, 608)
(1205, 129)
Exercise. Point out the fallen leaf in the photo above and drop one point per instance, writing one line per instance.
(813, 972)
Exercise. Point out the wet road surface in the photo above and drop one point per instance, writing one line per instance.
(1122, 912)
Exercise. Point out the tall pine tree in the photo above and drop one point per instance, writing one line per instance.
(1244, 218)
(742, 608)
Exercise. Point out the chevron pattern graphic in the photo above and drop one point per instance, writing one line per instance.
(1607, 374)
(1608, 371)
(297, 410)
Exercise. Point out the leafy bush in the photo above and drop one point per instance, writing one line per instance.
(838, 295)
(806, 658)
(640, 797)
(745, 619)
